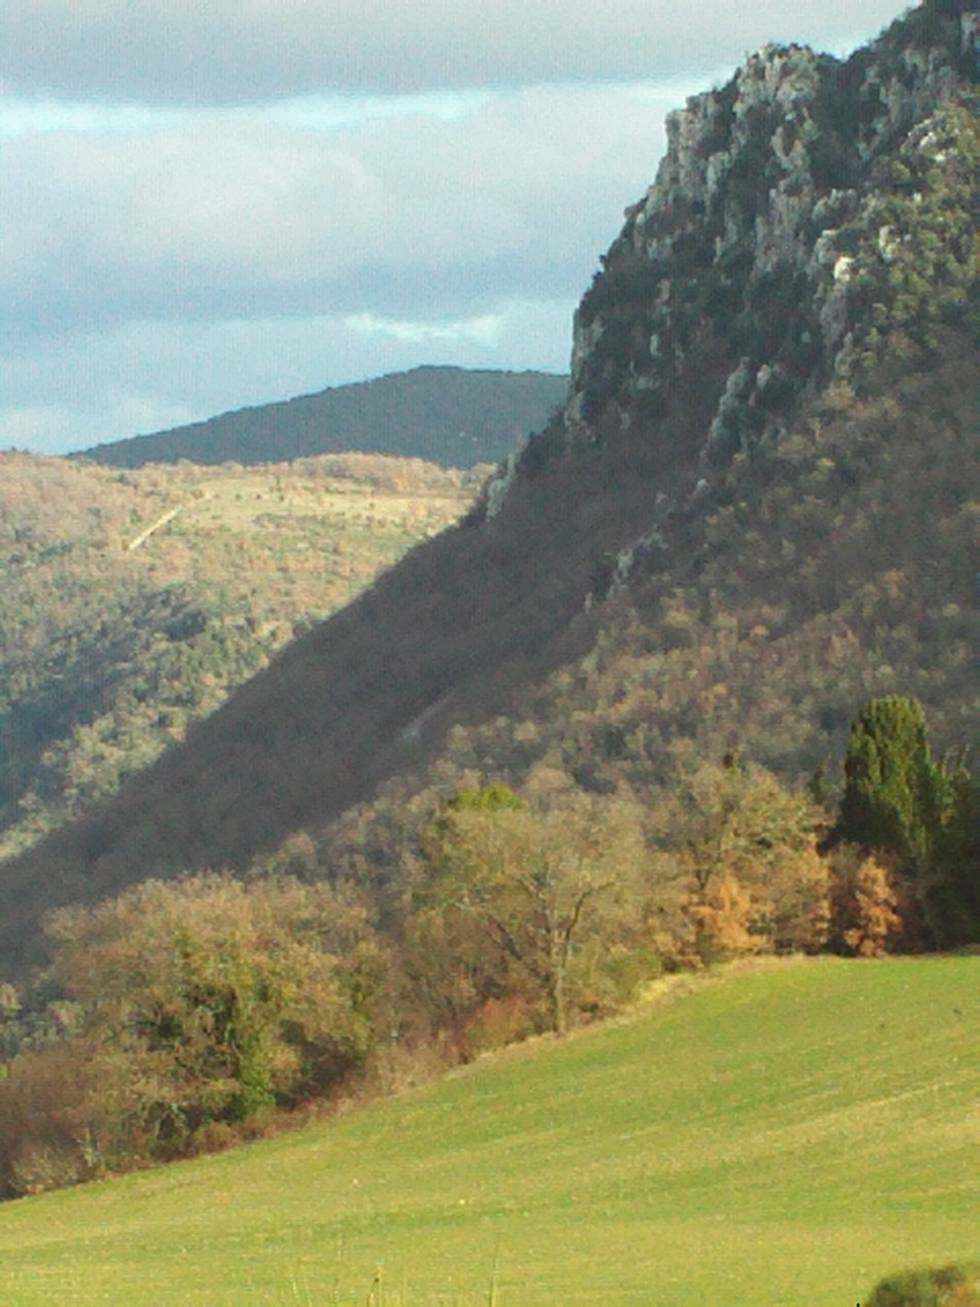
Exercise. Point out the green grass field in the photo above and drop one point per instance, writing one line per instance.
(781, 1136)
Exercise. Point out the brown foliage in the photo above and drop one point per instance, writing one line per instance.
(721, 917)
(867, 919)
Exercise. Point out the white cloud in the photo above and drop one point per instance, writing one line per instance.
(208, 205)
(33, 116)
(484, 330)
(40, 428)
(227, 52)
(231, 215)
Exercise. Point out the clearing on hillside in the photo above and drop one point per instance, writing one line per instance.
(778, 1137)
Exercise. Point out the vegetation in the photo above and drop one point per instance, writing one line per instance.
(749, 626)
(771, 1136)
(754, 515)
(450, 416)
(508, 893)
(945, 1286)
(615, 717)
(893, 790)
(175, 1013)
(914, 812)
(133, 602)
(914, 255)
(185, 1008)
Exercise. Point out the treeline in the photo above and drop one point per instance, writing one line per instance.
(828, 567)
(182, 1016)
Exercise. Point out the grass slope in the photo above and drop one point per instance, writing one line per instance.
(784, 1136)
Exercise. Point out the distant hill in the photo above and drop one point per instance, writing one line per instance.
(133, 601)
(788, 1135)
(450, 416)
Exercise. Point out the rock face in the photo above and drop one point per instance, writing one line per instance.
(752, 263)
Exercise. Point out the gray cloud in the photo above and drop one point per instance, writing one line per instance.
(231, 216)
(160, 264)
(226, 52)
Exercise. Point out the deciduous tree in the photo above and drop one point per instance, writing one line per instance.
(537, 885)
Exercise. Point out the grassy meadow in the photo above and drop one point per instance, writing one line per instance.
(783, 1135)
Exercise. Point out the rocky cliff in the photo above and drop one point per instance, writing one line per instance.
(804, 214)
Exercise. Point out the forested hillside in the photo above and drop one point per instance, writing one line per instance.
(451, 416)
(753, 513)
(133, 602)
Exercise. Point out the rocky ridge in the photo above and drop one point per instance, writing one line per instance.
(758, 263)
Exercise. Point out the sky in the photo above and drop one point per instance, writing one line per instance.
(209, 205)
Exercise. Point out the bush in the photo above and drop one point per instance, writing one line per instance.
(499, 1022)
(202, 1005)
(947, 1286)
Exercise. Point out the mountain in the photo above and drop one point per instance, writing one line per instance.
(452, 416)
(751, 512)
(134, 601)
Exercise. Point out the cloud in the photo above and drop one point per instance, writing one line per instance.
(227, 52)
(209, 205)
(484, 330)
(235, 216)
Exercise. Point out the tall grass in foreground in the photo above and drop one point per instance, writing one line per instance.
(386, 1293)
(945, 1286)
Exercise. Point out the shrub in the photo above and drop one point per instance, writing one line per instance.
(499, 1022)
(867, 916)
(202, 1005)
(947, 1286)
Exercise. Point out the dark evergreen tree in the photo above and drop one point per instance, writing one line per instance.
(957, 862)
(922, 814)
(894, 792)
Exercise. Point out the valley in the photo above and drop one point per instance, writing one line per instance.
(135, 601)
(541, 868)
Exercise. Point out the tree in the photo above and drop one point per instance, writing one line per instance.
(240, 996)
(866, 905)
(916, 813)
(528, 889)
(747, 846)
(956, 892)
(721, 918)
(893, 790)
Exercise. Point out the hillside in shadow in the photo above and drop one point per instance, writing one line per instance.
(752, 511)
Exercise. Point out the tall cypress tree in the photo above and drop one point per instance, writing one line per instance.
(957, 862)
(894, 792)
(898, 799)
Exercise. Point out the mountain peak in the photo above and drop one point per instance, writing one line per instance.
(757, 261)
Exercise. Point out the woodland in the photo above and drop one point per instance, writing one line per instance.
(134, 601)
(183, 1016)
